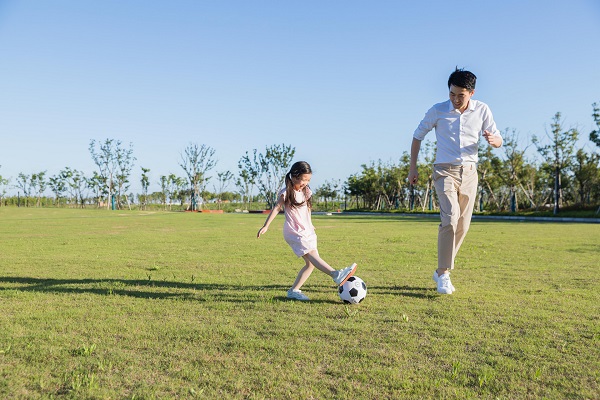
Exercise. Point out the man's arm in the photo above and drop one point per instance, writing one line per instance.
(413, 175)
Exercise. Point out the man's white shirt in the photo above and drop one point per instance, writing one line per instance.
(457, 134)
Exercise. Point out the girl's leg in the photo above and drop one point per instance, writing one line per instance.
(313, 258)
(303, 274)
(338, 276)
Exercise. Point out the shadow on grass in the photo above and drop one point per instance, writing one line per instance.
(147, 289)
(407, 291)
(312, 301)
(157, 289)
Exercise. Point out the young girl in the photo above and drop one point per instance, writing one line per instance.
(298, 230)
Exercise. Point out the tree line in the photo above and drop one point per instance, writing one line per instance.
(109, 185)
(509, 181)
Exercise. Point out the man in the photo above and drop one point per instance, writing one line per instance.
(458, 123)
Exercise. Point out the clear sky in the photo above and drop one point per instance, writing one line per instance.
(344, 82)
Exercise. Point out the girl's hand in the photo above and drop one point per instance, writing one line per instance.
(262, 231)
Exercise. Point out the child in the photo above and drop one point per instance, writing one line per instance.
(298, 230)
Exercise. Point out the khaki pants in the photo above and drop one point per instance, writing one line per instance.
(456, 187)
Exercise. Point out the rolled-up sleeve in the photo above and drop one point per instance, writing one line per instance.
(488, 122)
(426, 125)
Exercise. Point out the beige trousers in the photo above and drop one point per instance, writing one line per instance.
(456, 187)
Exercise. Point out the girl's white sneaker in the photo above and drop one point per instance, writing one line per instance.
(341, 276)
(297, 295)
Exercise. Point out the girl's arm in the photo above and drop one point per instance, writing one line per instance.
(271, 217)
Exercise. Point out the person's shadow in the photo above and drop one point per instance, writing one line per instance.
(164, 289)
(142, 288)
(150, 289)
(406, 291)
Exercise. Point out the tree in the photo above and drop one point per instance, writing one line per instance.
(39, 185)
(114, 164)
(531, 185)
(223, 178)
(329, 190)
(196, 162)
(586, 175)
(390, 185)
(177, 188)
(164, 191)
(58, 187)
(488, 168)
(172, 187)
(274, 164)
(125, 160)
(3, 184)
(561, 153)
(595, 134)
(23, 183)
(367, 186)
(97, 183)
(383, 185)
(76, 184)
(513, 168)
(249, 169)
(145, 181)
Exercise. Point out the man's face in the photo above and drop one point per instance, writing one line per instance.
(460, 97)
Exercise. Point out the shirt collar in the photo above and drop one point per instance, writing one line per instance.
(471, 105)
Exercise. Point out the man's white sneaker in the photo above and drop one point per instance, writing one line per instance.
(444, 286)
(297, 295)
(435, 278)
(342, 275)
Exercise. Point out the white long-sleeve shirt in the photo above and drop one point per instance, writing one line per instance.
(457, 134)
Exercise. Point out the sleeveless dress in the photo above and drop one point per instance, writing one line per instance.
(298, 230)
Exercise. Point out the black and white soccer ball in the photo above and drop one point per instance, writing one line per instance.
(353, 291)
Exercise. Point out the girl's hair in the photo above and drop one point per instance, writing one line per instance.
(298, 169)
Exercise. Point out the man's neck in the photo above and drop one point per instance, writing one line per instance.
(465, 108)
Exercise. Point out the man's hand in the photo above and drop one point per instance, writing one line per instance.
(413, 177)
(493, 140)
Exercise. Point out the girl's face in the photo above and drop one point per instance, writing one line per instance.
(300, 182)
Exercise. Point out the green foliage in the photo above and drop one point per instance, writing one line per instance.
(595, 134)
(274, 164)
(114, 163)
(559, 153)
(197, 161)
(149, 305)
(266, 171)
(508, 181)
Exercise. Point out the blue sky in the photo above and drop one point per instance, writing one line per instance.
(344, 82)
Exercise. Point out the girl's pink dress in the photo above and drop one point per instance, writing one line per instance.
(298, 230)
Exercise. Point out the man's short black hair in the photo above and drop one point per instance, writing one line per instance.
(463, 79)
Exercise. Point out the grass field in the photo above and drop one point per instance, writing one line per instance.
(134, 305)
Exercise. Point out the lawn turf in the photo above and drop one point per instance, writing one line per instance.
(100, 304)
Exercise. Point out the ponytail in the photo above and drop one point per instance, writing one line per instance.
(298, 169)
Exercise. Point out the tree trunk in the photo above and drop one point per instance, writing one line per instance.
(528, 196)
(492, 195)
(556, 190)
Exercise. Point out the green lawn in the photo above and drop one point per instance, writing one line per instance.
(142, 305)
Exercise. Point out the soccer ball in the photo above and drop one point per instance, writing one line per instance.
(353, 291)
